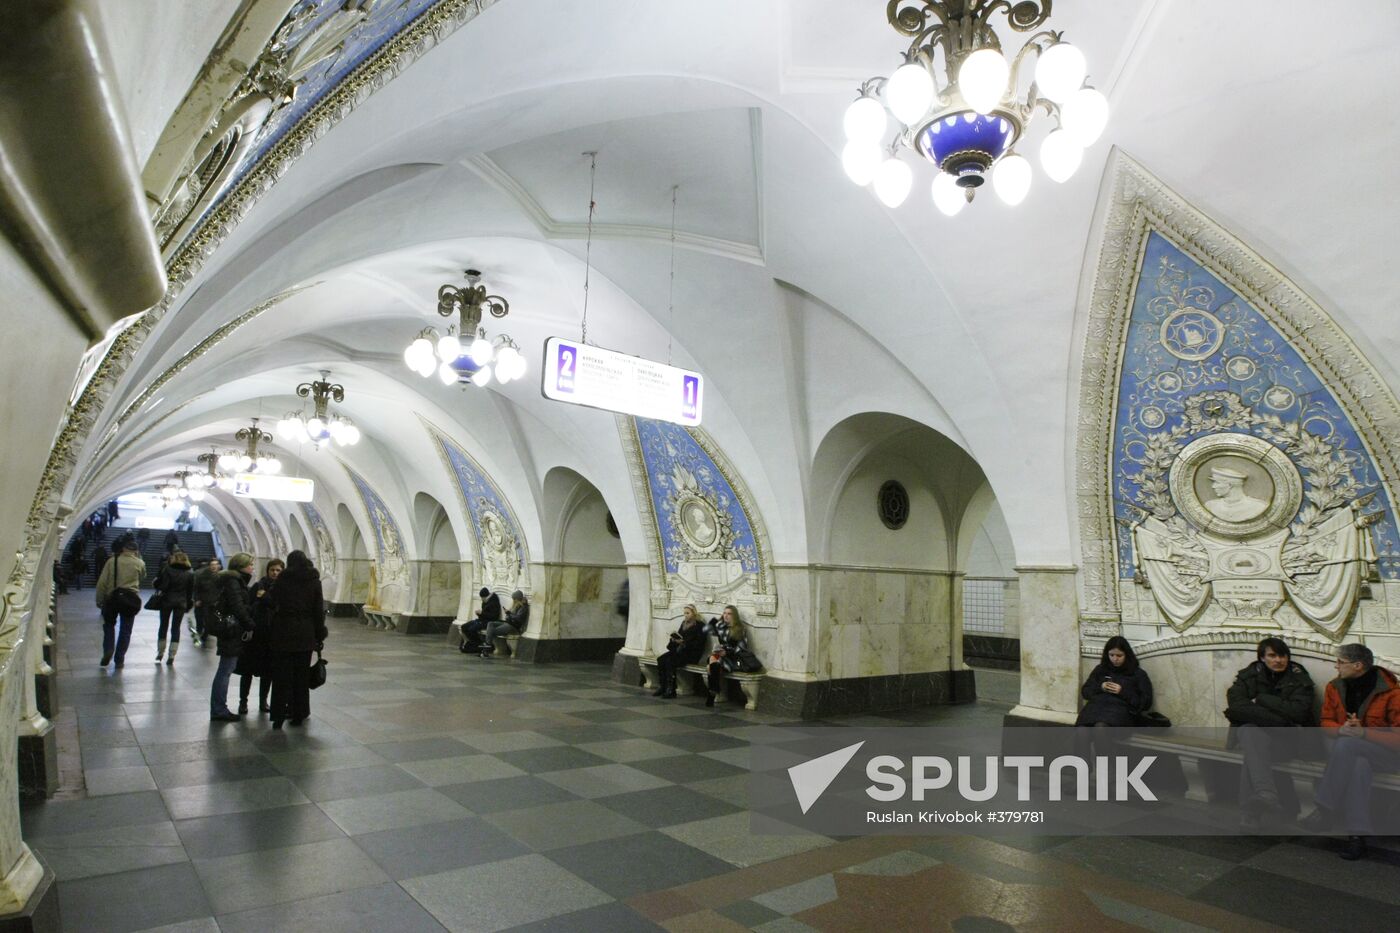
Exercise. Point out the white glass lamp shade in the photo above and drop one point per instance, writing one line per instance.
(909, 93)
(861, 160)
(352, 435)
(481, 351)
(421, 347)
(1011, 179)
(181, 491)
(1084, 116)
(865, 121)
(1060, 71)
(273, 465)
(448, 348)
(206, 481)
(286, 429)
(244, 461)
(1060, 156)
(982, 79)
(947, 196)
(228, 461)
(225, 483)
(427, 364)
(482, 376)
(196, 495)
(447, 374)
(509, 364)
(893, 181)
(336, 429)
(316, 428)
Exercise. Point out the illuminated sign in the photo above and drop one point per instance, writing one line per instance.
(585, 375)
(287, 488)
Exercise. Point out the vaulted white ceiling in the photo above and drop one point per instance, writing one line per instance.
(800, 297)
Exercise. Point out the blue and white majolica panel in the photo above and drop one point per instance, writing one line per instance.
(244, 538)
(321, 531)
(1199, 361)
(698, 515)
(493, 521)
(279, 543)
(388, 541)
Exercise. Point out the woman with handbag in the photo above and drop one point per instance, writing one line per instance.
(256, 659)
(119, 598)
(174, 594)
(298, 617)
(685, 646)
(731, 652)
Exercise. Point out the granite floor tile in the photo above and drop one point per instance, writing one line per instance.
(354, 782)
(729, 838)
(105, 851)
(393, 810)
(1143, 862)
(631, 865)
(625, 750)
(61, 817)
(556, 825)
(364, 910)
(132, 900)
(419, 749)
(614, 918)
(603, 780)
(556, 758)
(493, 742)
(696, 741)
(461, 770)
(668, 806)
(212, 771)
(200, 925)
(683, 769)
(438, 847)
(103, 781)
(231, 797)
(256, 879)
(506, 794)
(279, 828)
(469, 899)
(225, 746)
(322, 759)
(123, 757)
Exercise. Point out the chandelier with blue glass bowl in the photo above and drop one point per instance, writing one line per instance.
(465, 354)
(957, 102)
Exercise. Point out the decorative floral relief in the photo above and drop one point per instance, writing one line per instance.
(391, 557)
(325, 545)
(501, 549)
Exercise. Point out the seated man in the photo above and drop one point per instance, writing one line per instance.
(1267, 701)
(473, 631)
(1362, 707)
(517, 618)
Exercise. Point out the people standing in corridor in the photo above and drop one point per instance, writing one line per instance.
(176, 587)
(119, 597)
(298, 627)
(254, 660)
(231, 622)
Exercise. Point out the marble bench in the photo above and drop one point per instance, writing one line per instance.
(506, 642)
(696, 676)
(1197, 759)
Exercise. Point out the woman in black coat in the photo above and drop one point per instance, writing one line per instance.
(256, 659)
(232, 623)
(685, 646)
(298, 616)
(175, 584)
(1116, 692)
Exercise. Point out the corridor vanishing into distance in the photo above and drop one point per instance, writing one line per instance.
(432, 790)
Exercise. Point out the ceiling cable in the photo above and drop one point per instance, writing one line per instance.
(671, 296)
(588, 249)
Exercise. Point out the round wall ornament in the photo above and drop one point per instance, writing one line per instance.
(892, 501)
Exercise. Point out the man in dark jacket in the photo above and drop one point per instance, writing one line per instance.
(232, 623)
(473, 631)
(1267, 702)
(206, 596)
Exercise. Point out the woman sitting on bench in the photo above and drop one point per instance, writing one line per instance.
(731, 652)
(685, 646)
(1117, 691)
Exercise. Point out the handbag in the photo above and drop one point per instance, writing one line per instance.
(157, 601)
(1153, 719)
(317, 675)
(124, 601)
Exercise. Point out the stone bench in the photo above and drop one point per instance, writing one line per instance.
(504, 645)
(696, 677)
(1203, 763)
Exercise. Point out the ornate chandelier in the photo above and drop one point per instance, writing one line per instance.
(320, 428)
(465, 353)
(212, 477)
(251, 460)
(957, 102)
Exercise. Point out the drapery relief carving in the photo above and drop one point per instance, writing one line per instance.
(1236, 454)
(497, 542)
(708, 542)
(390, 582)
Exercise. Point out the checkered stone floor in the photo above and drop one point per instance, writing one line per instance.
(432, 790)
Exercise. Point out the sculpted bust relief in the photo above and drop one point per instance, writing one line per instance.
(1232, 501)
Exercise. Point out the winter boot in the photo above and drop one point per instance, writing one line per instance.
(170, 658)
(160, 649)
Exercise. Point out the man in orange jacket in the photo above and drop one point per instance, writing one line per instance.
(1362, 708)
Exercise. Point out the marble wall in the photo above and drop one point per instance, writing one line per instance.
(437, 587)
(880, 622)
(578, 602)
(1049, 611)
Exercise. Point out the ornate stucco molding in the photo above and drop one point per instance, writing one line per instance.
(1138, 204)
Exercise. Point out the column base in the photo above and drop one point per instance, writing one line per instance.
(818, 699)
(46, 693)
(1031, 716)
(343, 610)
(552, 650)
(40, 911)
(38, 762)
(627, 669)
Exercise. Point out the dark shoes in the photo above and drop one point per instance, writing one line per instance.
(1318, 821)
(669, 695)
(276, 723)
(710, 700)
(106, 659)
(264, 708)
(659, 692)
(487, 652)
(224, 717)
(243, 708)
(1355, 848)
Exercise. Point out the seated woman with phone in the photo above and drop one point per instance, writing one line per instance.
(1116, 693)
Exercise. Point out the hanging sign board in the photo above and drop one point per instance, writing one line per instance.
(586, 375)
(287, 488)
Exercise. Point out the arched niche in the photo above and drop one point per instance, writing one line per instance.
(991, 591)
(587, 565)
(889, 537)
(354, 583)
(300, 541)
(437, 576)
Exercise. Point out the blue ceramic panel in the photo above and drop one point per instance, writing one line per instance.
(388, 541)
(1194, 346)
(279, 544)
(478, 491)
(665, 447)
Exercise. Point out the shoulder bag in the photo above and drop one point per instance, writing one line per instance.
(317, 675)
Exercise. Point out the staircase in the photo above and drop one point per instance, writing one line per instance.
(199, 545)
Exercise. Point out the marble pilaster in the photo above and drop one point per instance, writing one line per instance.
(1049, 614)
